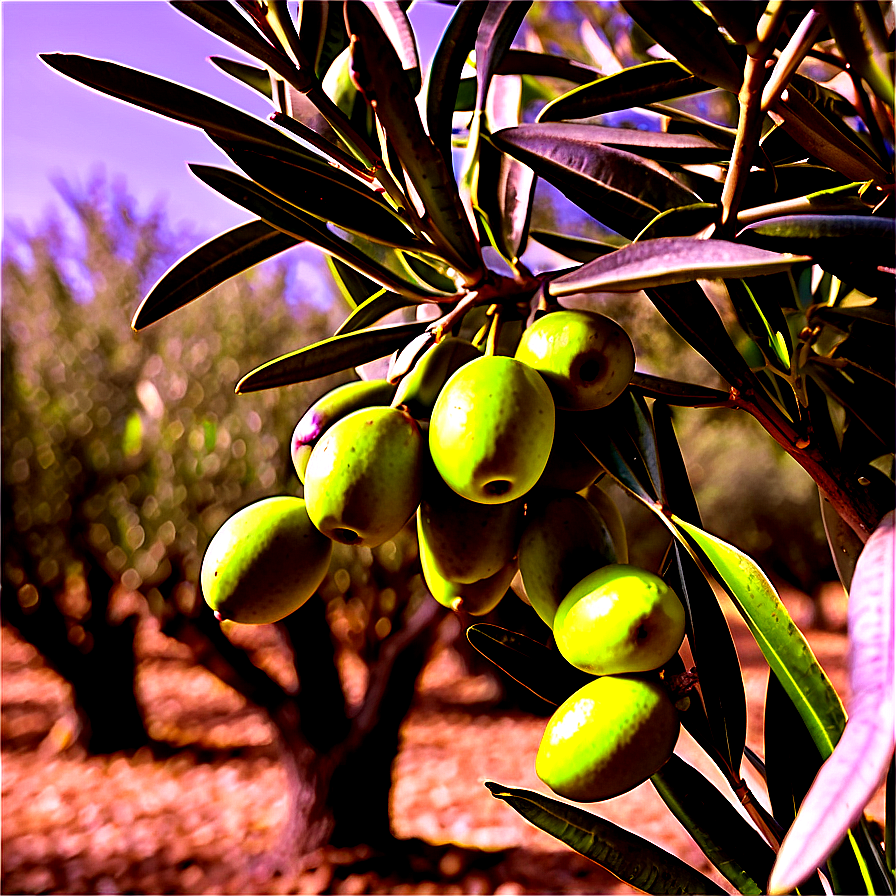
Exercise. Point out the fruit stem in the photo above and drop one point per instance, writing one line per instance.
(770, 828)
(494, 330)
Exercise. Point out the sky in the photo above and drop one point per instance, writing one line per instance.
(53, 126)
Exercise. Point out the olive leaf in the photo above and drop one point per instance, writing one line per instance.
(677, 393)
(638, 85)
(543, 671)
(331, 355)
(668, 260)
(858, 765)
(616, 187)
(635, 861)
(577, 248)
(215, 261)
(251, 75)
(727, 840)
(321, 27)
(783, 645)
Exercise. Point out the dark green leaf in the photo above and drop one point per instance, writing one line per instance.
(499, 25)
(691, 314)
(676, 393)
(373, 309)
(542, 671)
(290, 220)
(225, 20)
(331, 355)
(616, 187)
(322, 33)
(762, 319)
(354, 286)
(444, 73)
(853, 773)
(782, 643)
(738, 19)
(638, 85)
(718, 668)
(170, 99)
(687, 220)
(578, 248)
(845, 317)
(212, 263)
(726, 838)
(397, 27)
(525, 62)
(329, 195)
(693, 39)
(632, 859)
(869, 347)
(669, 260)
(250, 75)
(826, 138)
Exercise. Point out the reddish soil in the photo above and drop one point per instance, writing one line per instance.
(188, 823)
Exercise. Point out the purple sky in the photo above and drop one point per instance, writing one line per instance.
(53, 126)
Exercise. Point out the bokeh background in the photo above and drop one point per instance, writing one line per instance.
(122, 453)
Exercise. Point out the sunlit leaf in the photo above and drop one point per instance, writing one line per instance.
(661, 262)
(687, 220)
(169, 99)
(650, 82)
(578, 248)
(783, 645)
(542, 671)
(329, 194)
(354, 286)
(321, 27)
(677, 393)
(635, 861)
(215, 261)
(290, 220)
(726, 838)
(396, 26)
(618, 188)
(762, 319)
(857, 767)
(444, 73)
(251, 75)
(372, 310)
(693, 39)
(377, 71)
(328, 356)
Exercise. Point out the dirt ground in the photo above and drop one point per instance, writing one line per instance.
(205, 819)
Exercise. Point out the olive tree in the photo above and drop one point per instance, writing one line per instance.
(765, 242)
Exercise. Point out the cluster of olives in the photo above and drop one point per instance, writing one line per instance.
(483, 449)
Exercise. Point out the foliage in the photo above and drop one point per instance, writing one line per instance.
(783, 216)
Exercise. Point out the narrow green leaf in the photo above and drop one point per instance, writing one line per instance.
(858, 765)
(397, 27)
(650, 82)
(500, 23)
(826, 138)
(251, 75)
(322, 33)
(329, 195)
(444, 73)
(662, 262)
(170, 99)
(782, 643)
(328, 356)
(290, 220)
(763, 321)
(578, 248)
(677, 393)
(225, 20)
(354, 286)
(727, 840)
(633, 860)
(527, 62)
(718, 667)
(377, 71)
(687, 220)
(617, 187)
(541, 670)
(215, 261)
(693, 39)
(691, 314)
(372, 310)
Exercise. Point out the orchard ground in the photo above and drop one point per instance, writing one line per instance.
(204, 814)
